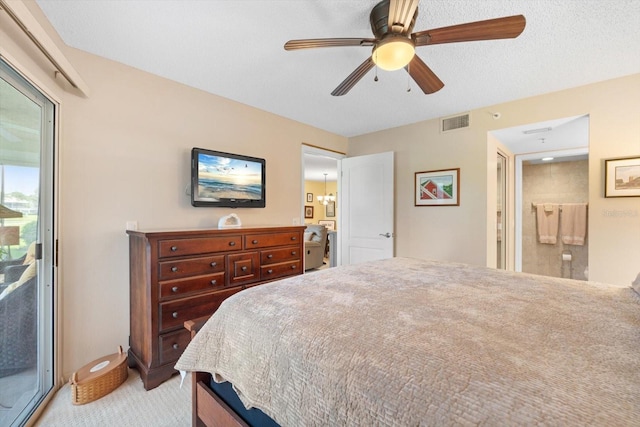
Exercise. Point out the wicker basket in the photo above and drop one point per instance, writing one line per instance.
(98, 378)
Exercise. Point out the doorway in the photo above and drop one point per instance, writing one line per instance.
(26, 247)
(364, 219)
(551, 169)
(320, 196)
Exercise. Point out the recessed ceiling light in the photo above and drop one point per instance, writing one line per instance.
(547, 159)
(530, 131)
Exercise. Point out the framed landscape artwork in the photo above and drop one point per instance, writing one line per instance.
(622, 177)
(437, 188)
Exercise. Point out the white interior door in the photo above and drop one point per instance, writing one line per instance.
(366, 215)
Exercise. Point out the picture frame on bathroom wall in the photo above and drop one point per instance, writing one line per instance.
(622, 177)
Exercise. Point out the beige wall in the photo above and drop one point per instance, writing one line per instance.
(462, 233)
(124, 155)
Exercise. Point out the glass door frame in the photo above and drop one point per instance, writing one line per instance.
(46, 239)
(502, 211)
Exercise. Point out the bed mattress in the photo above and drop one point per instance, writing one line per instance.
(413, 342)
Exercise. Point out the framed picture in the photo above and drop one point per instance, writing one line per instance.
(329, 223)
(331, 209)
(309, 197)
(308, 211)
(622, 177)
(438, 188)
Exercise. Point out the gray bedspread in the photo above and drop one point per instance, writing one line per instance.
(409, 342)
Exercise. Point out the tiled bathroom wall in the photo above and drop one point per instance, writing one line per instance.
(560, 182)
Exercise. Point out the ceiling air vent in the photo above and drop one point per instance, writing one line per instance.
(447, 124)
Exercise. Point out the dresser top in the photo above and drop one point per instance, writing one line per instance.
(215, 230)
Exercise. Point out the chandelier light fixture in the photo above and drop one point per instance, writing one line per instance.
(324, 200)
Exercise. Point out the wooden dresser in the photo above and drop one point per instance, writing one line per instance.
(181, 275)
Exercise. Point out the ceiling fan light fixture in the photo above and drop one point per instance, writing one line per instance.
(393, 53)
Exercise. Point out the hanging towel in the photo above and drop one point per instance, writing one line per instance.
(547, 223)
(573, 223)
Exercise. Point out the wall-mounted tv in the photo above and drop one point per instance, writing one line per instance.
(227, 180)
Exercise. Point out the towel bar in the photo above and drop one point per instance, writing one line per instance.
(535, 205)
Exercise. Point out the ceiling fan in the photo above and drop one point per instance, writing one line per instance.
(394, 45)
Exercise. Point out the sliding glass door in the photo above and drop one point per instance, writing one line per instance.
(26, 236)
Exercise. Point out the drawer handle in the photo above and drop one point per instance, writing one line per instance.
(294, 238)
(293, 267)
(174, 248)
(255, 242)
(174, 289)
(293, 252)
(213, 264)
(214, 281)
(270, 256)
(244, 268)
(175, 346)
(174, 269)
(269, 271)
(174, 314)
(232, 243)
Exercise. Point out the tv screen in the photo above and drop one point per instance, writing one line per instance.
(227, 180)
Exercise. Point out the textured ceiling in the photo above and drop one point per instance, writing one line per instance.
(235, 49)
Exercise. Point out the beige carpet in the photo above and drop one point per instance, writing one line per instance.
(128, 405)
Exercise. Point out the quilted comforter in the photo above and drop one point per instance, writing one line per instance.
(410, 342)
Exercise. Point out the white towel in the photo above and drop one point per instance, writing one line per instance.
(547, 223)
(573, 223)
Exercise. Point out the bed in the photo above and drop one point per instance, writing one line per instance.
(407, 342)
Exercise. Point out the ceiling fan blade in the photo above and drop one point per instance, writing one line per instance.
(353, 78)
(401, 15)
(491, 29)
(423, 76)
(313, 43)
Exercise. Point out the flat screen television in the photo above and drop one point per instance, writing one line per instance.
(227, 180)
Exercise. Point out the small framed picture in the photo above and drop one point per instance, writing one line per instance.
(622, 177)
(309, 197)
(308, 211)
(438, 188)
(331, 209)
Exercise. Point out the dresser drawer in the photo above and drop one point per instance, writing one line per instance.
(270, 239)
(243, 268)
(275, 271)
(173, 314)
(173, 344)
(274, 256)
(201, 245)
(182, 287)
(190, 267)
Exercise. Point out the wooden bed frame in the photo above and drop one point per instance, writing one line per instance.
(207, 409)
